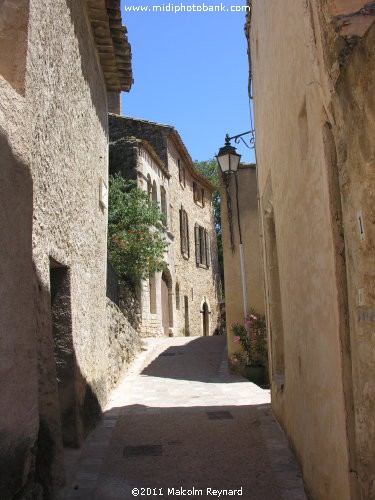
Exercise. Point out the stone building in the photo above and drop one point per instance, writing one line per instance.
(244, 190)
(59, 61)
(315, 129)
(183, 300)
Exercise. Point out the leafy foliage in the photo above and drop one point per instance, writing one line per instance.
(253, 340)
(210, 170)
(136, 242)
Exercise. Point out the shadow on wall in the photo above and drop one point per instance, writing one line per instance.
(69, 406)
(18, 387)
(191, 361)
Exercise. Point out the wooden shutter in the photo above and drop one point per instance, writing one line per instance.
(194, 191)
(197, 245)
(187, 234)
(208, 254)
(182, 230)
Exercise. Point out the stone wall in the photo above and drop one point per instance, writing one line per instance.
(158, 159)
(142, 129)
(69, 227)
(123, 343)
(252, 249)
(53, 133)
(18, 375)
(315, 153)
(129, 304)
(353, 147)
(197, 283)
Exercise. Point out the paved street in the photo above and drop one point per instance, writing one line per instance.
(178, 420)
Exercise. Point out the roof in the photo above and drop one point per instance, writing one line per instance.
(112, 43)
(173, 135)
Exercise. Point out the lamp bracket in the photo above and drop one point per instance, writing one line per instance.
(237, 138)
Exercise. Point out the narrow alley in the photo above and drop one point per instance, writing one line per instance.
(177, 421)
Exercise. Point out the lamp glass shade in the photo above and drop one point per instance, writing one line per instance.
(228, 159)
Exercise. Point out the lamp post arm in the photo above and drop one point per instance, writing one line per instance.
(239, 137)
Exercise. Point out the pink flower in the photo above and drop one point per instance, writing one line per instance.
(234, 360)
(247, 322)
(237, 338)
(252, 316)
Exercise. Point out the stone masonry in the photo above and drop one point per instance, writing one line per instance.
(58, 60)
(156, 156)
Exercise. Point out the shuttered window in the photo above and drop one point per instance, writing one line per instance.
(184, 233)
(202, 246)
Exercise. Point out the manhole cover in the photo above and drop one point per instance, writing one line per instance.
(219, 415)
(146, 450)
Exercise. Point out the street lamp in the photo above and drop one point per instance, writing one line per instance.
(228, 160)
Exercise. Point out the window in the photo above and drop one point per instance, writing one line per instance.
(177, 296)
(184, 233)
(163, 203)
(154, 192)
(149, 187)
(202, 247)
(198, 194)
(181, 173)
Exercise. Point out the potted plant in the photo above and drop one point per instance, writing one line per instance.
(252, 361)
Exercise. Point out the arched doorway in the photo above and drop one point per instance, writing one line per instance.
(166, 301)
(206, 319)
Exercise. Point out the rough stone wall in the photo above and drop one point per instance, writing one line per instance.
(354, 132)
(18, 374)
(66, 117)
(123, 155)
(300, 217)
(142, 129)
(124, 342)
(250, 228)
(129, 304)
(196, 283)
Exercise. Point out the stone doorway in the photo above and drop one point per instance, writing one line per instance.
(64, 353)
(166, 302)
(186, 309)
(206, 319)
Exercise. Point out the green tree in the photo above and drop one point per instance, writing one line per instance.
(136, 242)
(209, 169)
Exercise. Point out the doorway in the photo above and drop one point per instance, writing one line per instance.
(64, 352)
(206, 319)
(164, 305)
(186, 308)
(166, 302)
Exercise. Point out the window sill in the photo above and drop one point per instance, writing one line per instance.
(201, 205)
(202, 266)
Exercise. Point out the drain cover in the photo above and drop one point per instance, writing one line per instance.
(146, 450)
(219, 415)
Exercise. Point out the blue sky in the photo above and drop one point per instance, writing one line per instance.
(190, 71)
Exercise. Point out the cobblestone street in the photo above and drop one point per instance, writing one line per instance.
(178, 420)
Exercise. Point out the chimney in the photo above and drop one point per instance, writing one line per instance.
(114, 102)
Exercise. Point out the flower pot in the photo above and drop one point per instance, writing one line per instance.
(256, 374)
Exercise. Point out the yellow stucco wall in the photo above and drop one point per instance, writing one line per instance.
(249, 222)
